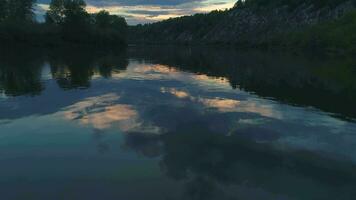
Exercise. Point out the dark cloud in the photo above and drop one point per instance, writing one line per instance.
(149, 12)
(218, 3)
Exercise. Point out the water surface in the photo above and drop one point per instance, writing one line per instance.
(176, 123)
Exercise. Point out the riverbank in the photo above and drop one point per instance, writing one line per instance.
(327, 27)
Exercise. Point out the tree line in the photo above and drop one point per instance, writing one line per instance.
(66, 21)
(193, 27)
(268, 4)
(325, 25)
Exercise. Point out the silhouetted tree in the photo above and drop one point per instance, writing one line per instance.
(118, 23)
(103, 19)
(56, 12)
(77, 25)
(72, 17)
(67, 12)
(3, 9)
(110, 24)
(20, 10)
(66, 21)
(75, 13)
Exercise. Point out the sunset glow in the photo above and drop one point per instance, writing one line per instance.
(141, 11)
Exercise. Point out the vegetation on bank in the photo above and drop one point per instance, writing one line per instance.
(66, 22)
(336, 36)
(292, 4)
(165, 31)
(262, 23)
(250, 23)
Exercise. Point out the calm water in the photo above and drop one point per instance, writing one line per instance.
(176, 123)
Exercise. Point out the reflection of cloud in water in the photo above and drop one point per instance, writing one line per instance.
(163, 69)
(149, 72)
(263, 110)
(175, 92)
(159, 72)
(225, 104)
(222, 104)
(101, 112)
(212, 80)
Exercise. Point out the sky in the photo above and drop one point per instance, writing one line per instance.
(147, 11)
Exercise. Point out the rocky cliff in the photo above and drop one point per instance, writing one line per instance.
(245, 24)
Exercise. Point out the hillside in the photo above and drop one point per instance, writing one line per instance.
(325, 24)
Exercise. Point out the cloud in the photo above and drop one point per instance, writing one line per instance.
(146, 11)
(140, 2)
(101, 3)
(150, 13)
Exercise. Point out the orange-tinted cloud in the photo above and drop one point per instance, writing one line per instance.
(145, 11)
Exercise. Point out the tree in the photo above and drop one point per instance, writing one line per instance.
(239, 3)
(75, 13)
(67, 12)
(3, 9)
(119, 23)
(56, 12)
(103, 19)
(20, 10)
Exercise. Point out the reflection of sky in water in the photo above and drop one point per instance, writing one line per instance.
(155, 99)
(162, 72)
(131, 101)
(100, 113)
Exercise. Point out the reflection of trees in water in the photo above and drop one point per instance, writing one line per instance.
(325, 83)
(215, 166)
(21, 68)
(20, 71)
(75, 68)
